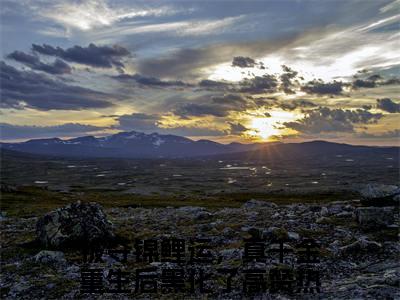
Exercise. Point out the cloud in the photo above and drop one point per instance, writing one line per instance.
(287, 83)
(214, 85)
(12, 132)
(88, 15)
(192, 131)
(237, 128)
(197, 110)
(373, 81)
(388, 105)
(153, 123)
(259, 84)
(92, 55)
(21, 89)
(370, 82)
(321, 88)
(32, 61)
(150, 81)
(193, 63)
(138, 121)
(292, 105)
(243, 62)
(325, 119)
(214, 105)
(385, 135)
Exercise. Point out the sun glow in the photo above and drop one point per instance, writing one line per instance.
(266, 128)
(263, 127)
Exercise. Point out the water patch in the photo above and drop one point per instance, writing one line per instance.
(231, 180)
(235, 168)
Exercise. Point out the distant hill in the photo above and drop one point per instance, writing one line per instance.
(127, 145)
(140, 145)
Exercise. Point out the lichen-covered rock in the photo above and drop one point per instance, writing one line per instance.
(74, 224)
(46, 256)
(374, 217)
(379, 194)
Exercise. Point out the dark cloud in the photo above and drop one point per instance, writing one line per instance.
(373, 81)
(32, 61)
(388, 105)
(138, 121)
(192, 131)
(10, 131)
(321, 88)
(215, 85)
(385, 135)
(182, 64)
(292, 105)
(287, 80)
(259, 84)
(233, 100)
(150, 123)
(325, 119)
(360, 83)
(94, 56)
(197, 110)
(189, 64)
(150, 81)
(237, 128)
(217, 105)
(34, 90)
(243, 62)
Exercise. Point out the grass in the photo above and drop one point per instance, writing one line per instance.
(35, 201)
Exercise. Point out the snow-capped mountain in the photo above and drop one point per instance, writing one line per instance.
(127, 144)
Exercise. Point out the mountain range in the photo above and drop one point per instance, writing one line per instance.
(141, 145)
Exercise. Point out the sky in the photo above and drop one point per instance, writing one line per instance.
(243, 71)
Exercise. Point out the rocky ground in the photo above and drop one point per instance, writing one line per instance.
(358, 246)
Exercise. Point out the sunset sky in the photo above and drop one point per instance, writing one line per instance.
(246, 71)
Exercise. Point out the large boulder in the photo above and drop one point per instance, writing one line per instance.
(361, 246)
(77, 224)
(380, 195)
(375, 217)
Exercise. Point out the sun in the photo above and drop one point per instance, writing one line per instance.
(263, 127)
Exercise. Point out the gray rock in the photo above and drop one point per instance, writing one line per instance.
(294, 236)
(73, 225)
(361, 246)
(230, 254)
(392, 277)
(379, 194)
(335, 209)
(374, 217)
(275, 233)
(344, 214)
(196, 212)
(324, 211)
(45, 256)
(257, 203)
